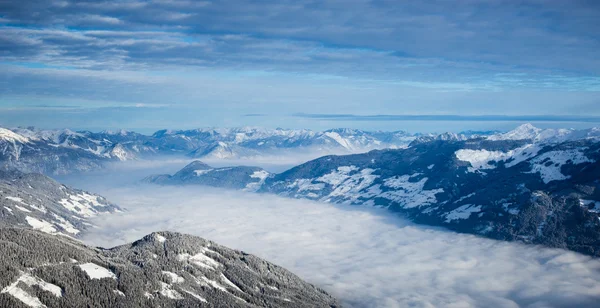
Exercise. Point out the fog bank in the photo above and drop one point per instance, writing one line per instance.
(364, 256)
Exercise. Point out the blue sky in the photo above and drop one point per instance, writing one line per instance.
(148, 65)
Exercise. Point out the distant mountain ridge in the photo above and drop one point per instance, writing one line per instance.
(65, 151)
(529, 185)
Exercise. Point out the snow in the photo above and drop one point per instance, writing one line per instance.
(160, 238)
(228, 282)
(196, 296)
(512, 211)
(549, 164)
(25, 297)
(174, 277)
(261, 175)
(351, 187)
(480, 159)
(22, 209)
(65, 224)
(95, 271)
(118, 292)
(199, 259)
(586, 203)
(525, 131)
(120, 153)
(213, 284)
(337, 177)
(462, 212)
(306, 185)
(528, 131)
(9, 209)
(409, 194)
(83, 204)
(11, 136)
(16, 199)
(41, 225)
(167, 291)
(464, 197)
(202, 171)
(341, 141)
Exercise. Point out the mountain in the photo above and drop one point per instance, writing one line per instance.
(43, 265)
(538, 135)
(199, 173)
(66, 151)
(515, 186)
(163, 269)
(38, 202)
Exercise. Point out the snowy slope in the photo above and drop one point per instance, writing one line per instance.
(160, 270)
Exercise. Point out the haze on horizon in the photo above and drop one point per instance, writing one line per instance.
(148, 65)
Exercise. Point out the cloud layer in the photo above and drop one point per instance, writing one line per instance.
(364, 256)
(222, 59)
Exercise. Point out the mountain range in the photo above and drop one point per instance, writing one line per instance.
(57, 152)
(529, 185)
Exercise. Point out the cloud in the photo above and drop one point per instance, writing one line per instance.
(278, 57)
(364, 256)
(426, 117)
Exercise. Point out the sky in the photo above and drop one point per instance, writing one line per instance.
(148, 65)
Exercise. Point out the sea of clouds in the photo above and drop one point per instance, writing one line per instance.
(364, 256)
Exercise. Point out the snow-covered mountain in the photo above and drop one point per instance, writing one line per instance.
(38, 202)
(65, 151)
(163, 269)
(534, 190)
(550, 135)
(199, 173)
(42, 265)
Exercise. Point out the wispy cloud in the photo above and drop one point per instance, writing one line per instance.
(425, 117)
(364, 57)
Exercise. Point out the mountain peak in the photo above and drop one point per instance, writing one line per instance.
(524, 131)
(9, 135)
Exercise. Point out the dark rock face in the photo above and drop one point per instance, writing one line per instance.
(545, 193)
(199, 173)
(38, 202)
(163, 269)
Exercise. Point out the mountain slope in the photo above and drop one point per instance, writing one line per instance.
(162, 269)
(36, 201)
(199, 173)
(505, 189)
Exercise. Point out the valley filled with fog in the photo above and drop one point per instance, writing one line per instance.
(364, 256)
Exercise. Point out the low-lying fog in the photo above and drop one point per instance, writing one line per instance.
(366, 257)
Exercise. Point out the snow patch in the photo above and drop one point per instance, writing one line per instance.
(199, 259)
(549, 164)
(41, 225)
(462, 212)
(196, 296)
(409, 194)
(95, 271)
(174, 277)
(167, 291)
(30, 281)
